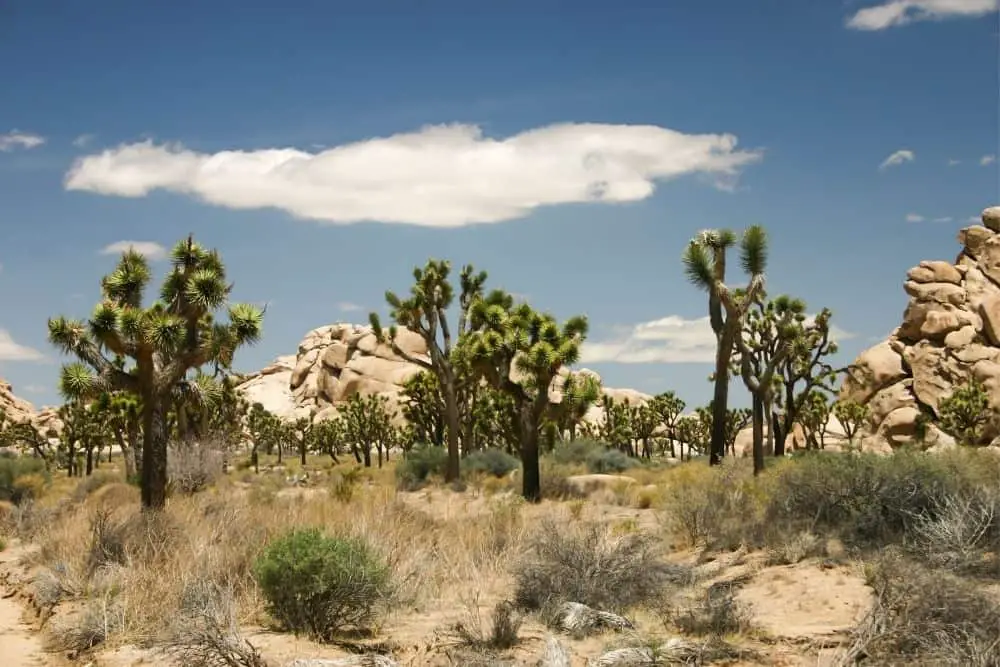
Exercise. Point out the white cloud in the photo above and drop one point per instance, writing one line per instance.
(153, 251)
(13, 351)
(987, 160)
(914, 217)
(439, 176)
(348, 307)
(946, 218)
(953, 162)
(15, 139)
(898, 158)
(34, 389)
(670, 340)
(83, 140)
(902, 12)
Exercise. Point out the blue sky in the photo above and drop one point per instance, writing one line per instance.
(569, 148)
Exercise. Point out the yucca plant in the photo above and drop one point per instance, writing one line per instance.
(156, 346)
(705, 267)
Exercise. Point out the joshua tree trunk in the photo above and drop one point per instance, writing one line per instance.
(758, 435)
(720, 400)
(154, 454)
(453, 469)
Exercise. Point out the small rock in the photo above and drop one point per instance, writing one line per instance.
(991, 218)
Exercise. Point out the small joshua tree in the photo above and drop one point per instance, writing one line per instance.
(967, 414)
(161, 343)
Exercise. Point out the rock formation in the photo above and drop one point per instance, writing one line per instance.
(950, 334)
(337, 361)
(19, 410)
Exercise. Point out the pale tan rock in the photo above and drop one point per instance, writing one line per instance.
(938, 324)
(336, 355)
(945, 293)
(935, 373)
(991, 218)
(935, 272)
(900, 426)
(959, 339)
(877, 367)
(893, 397)
(973, 239)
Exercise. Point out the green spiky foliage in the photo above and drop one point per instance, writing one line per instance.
(805, 369)
(579, 394)
(423, 408)
(851, 416)
(695, 431)
(495, 420)
(425, 312)
(265, 431)
(813, 418)
(644, 421)
(158, 345)
(24, 436)
(616, 426)
(87, 431)
(367, 423)
(766, 341)
(299, 433)
(705, 267)
(124, 414)
(520, 351)
(967, 415)
(668, 408)
(327, 437)
(736, 419)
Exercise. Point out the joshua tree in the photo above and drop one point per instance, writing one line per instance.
(851, 416)
(763, 348)
(520, 351)
(24, 435)
(425, 312)
(705, 267)
(967, 414)
(668, 408)
(579, 394)
(423, 408)
(803, 370)
(368, 421)
(265, 428)
(162, 342)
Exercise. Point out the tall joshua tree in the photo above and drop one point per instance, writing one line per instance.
(161, 343)
(705, 267)
(425, 312)
(519, 351)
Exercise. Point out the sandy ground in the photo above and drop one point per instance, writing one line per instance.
(19, 646)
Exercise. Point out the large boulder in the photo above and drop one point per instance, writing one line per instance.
(17, 409)
(335, 362)
(949, 334)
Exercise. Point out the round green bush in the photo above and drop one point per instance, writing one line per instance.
(418, 464)
(609, 461)
(320, 585)
(494, 462)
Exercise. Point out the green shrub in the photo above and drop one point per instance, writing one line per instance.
(576, 452)
(865, 499)
(495, 462)
(418, 464)
(321, 585)
(14, 467)
(609, 461)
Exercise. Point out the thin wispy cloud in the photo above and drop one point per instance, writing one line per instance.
(899, 157)
(953, 162)
(349, 307)
(914, 217)
(946, 218)
(669, 340)
(11, 350)
(150, 249)
(987, 160)
(439, 176)
(902, 12)
(83, 140)
(15, 139)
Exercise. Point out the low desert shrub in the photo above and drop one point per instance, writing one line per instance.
(320, 585)
(609, 461)
(500, 634)
(193, 467)
(962, 533)
(494, 462)
(590, 565)
(926, 617)
(418, 464)
(14, 468)
(576, 452)
(99, 479)
(717, 613)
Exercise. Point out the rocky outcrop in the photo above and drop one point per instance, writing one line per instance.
(335, 362)
(949, 335)
(19, 410)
